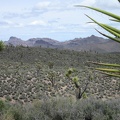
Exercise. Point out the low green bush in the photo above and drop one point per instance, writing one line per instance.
(63, 109)
(1, 105)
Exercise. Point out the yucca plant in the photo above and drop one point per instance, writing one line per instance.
(115, 36)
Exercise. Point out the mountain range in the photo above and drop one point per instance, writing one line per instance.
(92, 43)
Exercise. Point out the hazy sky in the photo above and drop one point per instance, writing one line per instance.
(56, 19)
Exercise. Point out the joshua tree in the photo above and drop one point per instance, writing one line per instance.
(51, 76)
(80, 91)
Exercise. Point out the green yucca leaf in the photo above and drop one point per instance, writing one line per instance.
(111, 74)
(105, 64)
(117, 38)
(113, 38)
(108, 70)
(107, 28)
(115, 20)
(112, 28)
(101, 11)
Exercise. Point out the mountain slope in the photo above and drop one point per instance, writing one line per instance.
(92, 43)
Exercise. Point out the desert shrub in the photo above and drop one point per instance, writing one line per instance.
(1, 105)
(99, 110)
(13, 112)
(54, 109)
(2, 46)
(63, 109)
(68, 109)
(50, 65)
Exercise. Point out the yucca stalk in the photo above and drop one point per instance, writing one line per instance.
(115, 37)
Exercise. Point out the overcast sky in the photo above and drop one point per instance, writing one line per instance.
(56, 19)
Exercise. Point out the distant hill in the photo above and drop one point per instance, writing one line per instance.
(92, 43)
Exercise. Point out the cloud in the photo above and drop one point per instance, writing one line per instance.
(42, 5)
(58, 5)
(8, 24)
(88, 2)
(111, 4)
(11, 15)
(4, 23)
(55, 5)
(38, 22)
(105, 4)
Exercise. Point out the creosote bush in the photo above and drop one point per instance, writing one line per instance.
(1, 105)
(63, 109)
(2, 46)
